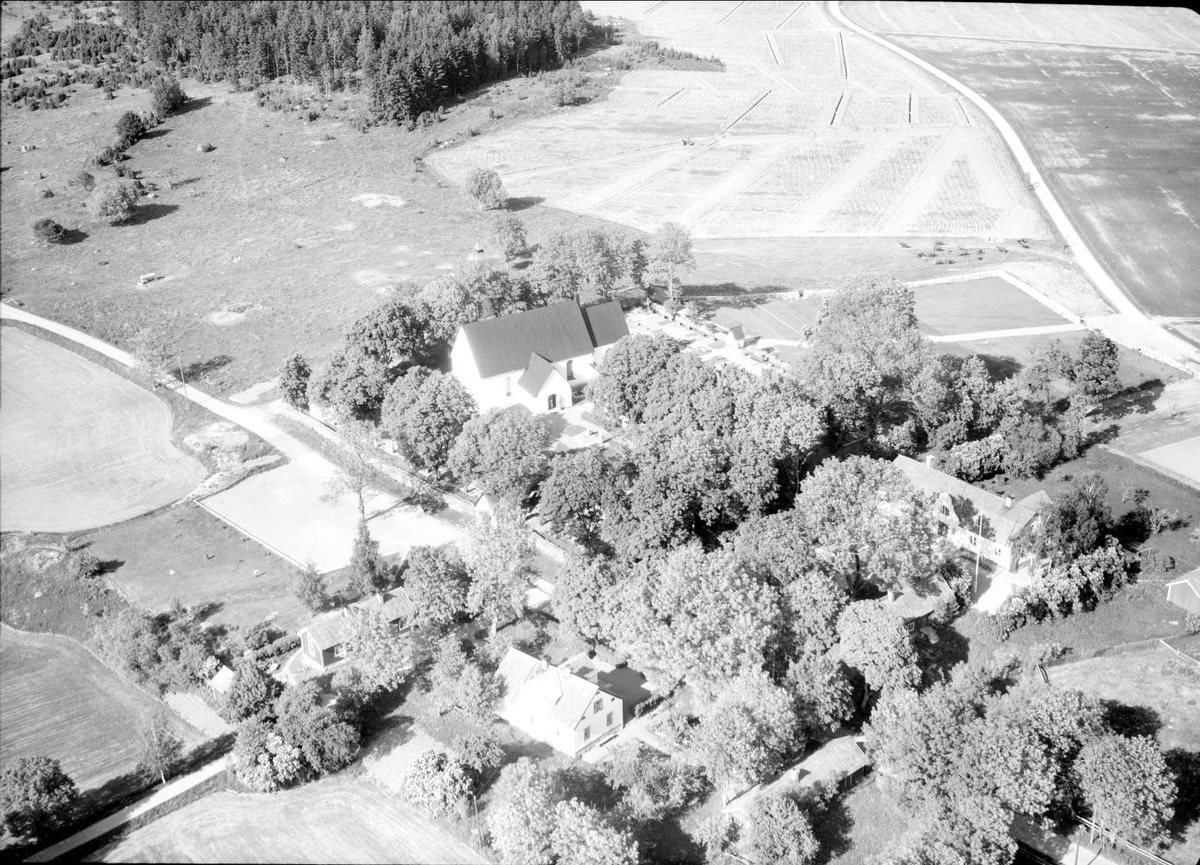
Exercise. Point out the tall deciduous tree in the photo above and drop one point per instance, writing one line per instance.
(436, 580)
(865, 352)
(437, 784)
(1094, 370)
(448, 304)
(293, 381)
(382, 655)
(586, 598)
(325, 739)
(1128, 786)
(499, 557)
(252, 694)
(351, 384)
(874, 640)
(574, 496)
(522, 820)
(780, 832)
(508, 232)
(484, 185)
(392, 333)
(36, 796)
(505, 451)
(627, 374)
(310, 588)
(582, 836)
(425, 413)
(670, 256)
(160, 747)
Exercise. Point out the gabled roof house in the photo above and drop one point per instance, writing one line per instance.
(536, 358)
(568, 707)
(974, 519)
(323, 641)
(1185, 592)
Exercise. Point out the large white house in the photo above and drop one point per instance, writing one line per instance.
(974, 519)
(537, 358)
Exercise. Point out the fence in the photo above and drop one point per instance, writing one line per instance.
(1183, 656)
(1129, 845)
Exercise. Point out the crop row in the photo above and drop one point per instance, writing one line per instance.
(879, 191)
(956, 207)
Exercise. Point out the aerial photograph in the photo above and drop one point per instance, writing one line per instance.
(599, 432)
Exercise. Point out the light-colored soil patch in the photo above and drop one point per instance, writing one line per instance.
(58, 701)
(287, 509)
(79, 445)
(377, 199)
(254, 393)
(1183, 457)
(342, 819)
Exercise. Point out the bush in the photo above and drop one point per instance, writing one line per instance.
(509, 234)
(1192, 623)
(166, 95)
(293, 381)
(85, 180)
(114, 202)
(47, 231)
(84, 566)
(282, 646)
(1155, 561)
(129, 128)
(262, 634)
(485, 186)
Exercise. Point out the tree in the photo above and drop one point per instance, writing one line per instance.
(252, 694)
(262, 760)
(161, 748)
(821, 692)
(425, 413)
(447, 304)
(1031, 445)
(480, 752)
(780, 832)
(1094, 371)
(865, 352)
(47, 231)
(351, 384)
(382, 655)
(309, 587)
(485, 186)
(150, 351)
(1126, 783)
(874, 640)
(508, 232)
(367, 571)
(113, 202)
(522, 818)
(1078, 523)
(653, 786)
(129, 128)
(36, 797)
(586, 598)
(499, 559)
(868, 522)
(627, 374)
(505, 451)
(437, 784)
(325, 739)
(436, 580)
(393, 334)
(582, 836)
(166, 96)
(293, 381)
(573, 498)
(670, 256)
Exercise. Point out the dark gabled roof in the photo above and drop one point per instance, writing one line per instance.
(330, 630)
(605, 322)
(555, 333)
(535, 374)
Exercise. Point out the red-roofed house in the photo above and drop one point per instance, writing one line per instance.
(536, 358)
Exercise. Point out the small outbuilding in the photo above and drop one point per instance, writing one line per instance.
(221, 681)
(1185, 592)
(839, 764)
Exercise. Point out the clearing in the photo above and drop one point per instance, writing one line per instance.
(82, 447)
(60, 702)
(339, 819)
(1107, 103)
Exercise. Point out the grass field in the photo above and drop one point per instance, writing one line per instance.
(341, 819)
(860, 825)
(57, 700)
(81, 446)
(1110, 126)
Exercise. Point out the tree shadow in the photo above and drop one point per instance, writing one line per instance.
(1101, 436)
(71, 236)
(1127, 720)
(1185, 765)
(149, 212)
(523, 202)
(1141, 400)
(192, 105)
(154, 133)
(201, 368)
(1132, 529)
(208, 609)
(586, 783)
(187, 181)
(834, 830)
(938, 659)
(1000, 367)
(109, 566)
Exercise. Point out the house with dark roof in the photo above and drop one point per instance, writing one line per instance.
(975, 520)
(1185, 592)
(569, 707)
(323, 641)
(538, 358)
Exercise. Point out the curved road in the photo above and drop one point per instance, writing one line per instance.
(1135, 319)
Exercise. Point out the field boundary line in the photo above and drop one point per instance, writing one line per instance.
(658, 5)
(841, 45)
(730, 12)
(200, 503)
(1048, 44)
(668, 98)
(1000, 273)
(1006, 332)
(789, 16)
(753, 105)
(1154, 467)
(1184, 656)
(839, 110)
(770, 37)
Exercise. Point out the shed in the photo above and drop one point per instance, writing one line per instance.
(839, 764)
(1185, 592)
(222, 680)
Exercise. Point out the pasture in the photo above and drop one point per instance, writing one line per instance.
(81, 446)
(339, 819)
(57, 700)
(1107, 104)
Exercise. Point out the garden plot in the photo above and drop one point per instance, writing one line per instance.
(876, 112)
(956, 207)
(759, 16)
(879, 190)
(783, 111)
(937, 110)
(80, 446)
(815, 55)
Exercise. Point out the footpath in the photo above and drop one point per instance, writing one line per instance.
(115, 821)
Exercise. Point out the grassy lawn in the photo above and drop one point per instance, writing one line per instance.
(58, 701)
(860, 825)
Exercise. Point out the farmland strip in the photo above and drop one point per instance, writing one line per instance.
(788, 17)
(1052, 43)
(731, 11)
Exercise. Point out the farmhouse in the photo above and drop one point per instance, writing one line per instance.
(323, 642)
(1185, 592)
(568, 707)
(974, 519)
(538, 358)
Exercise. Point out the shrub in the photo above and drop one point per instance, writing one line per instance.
(485, 186)
(129, 128)
(114, 202)
(509, 234)
(84, 566)
(47, 231)
(85, 180)
(1156, 561)
(293, 381)
(437, 784)
(1192, 623)
(262, 634)
(166, 95)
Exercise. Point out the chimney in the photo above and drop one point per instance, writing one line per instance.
(1008, 502)
(929, 461)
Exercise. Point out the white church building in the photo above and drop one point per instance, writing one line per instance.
(537, 358)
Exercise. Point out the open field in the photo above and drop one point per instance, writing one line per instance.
(81, 446)
(340, 819)
(59, 701)
(1113, 128)
(189, 554)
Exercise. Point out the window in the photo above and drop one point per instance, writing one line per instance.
(587, 733)
(552, 402)
(570, 370)
(508, 385)
(945, 511)
(608, 722)
(597, 706)
(942, 530)
(974, 540)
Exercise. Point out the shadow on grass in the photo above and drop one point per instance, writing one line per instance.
(834, 830)
(1001, 367)
(523, 202)
(1140, 400)
(201, 368)
(937, 659)
(72, 236)
(1185, 765)
(150, 212)
(193, 105)
(154, 133)
(1129, 720)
